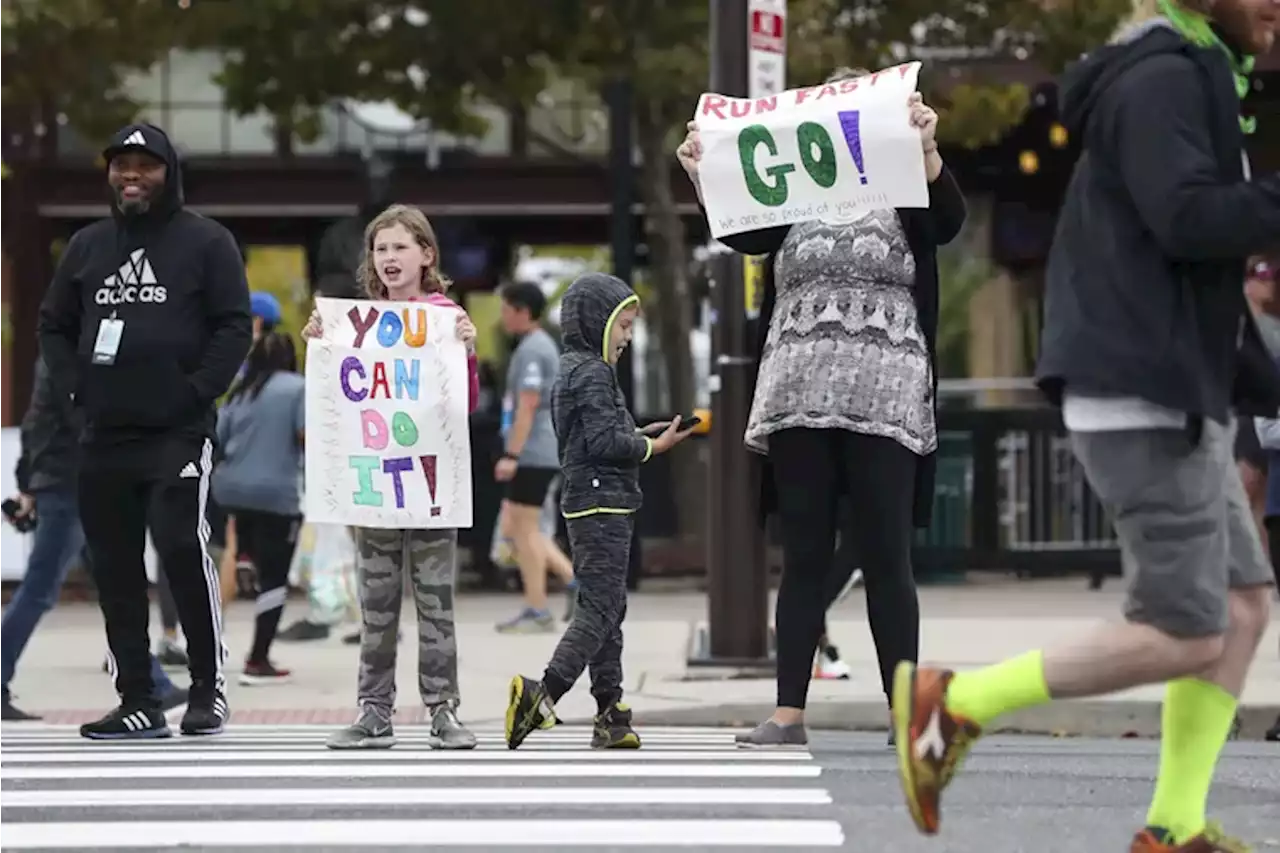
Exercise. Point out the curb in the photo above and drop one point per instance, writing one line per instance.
(1069, 718)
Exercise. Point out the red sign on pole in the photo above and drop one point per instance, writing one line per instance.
(768, 32)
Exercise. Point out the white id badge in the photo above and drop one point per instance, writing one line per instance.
(108, 342)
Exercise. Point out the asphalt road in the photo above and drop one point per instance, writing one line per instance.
(271, 787)
(1044, 795)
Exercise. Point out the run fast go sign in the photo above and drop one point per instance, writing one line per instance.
(821, 152)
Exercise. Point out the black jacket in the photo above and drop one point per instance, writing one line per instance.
(49, 439)
(177, 280)
(600, 450)
(1144, 292)
(926, 230)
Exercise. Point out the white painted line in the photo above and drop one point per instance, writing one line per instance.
(163, 835)
(425, 769)
(275, 798)
(403, 734)
(164, 756)
(37, 729)
(310, 747)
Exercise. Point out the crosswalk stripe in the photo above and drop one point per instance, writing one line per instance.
(686, 787)
(552, 796)
(462, 769)
(105, 755)
(287, 729)
(400, 833)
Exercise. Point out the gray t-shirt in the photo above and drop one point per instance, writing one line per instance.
(261, 465)
(533, 367)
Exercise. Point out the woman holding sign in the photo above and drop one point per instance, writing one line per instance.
(844, 405)
(401, 263)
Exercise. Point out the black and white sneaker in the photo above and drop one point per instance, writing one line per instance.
(128, 724)
(207, 713)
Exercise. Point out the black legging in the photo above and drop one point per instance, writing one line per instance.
(811, 469)
(268, 539)
(845, 561)
(1272, 525)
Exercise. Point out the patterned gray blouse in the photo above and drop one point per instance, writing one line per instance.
(845, 349)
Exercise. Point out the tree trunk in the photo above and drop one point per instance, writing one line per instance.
(669, 277)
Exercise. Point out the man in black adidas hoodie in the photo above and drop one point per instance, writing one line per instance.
(143, 328)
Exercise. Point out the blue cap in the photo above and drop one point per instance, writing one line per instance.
(266, 306)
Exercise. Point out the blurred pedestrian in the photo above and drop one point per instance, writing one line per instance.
(47, 507)
(844, 404)
(261, 431)
(143, 328)
(530, 460)
(1147, 346)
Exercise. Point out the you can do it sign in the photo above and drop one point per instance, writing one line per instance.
(822, 152)
(388, 442)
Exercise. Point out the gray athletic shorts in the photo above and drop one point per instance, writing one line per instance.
(1180, 512)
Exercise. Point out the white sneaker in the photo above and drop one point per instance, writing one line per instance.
(829, 665)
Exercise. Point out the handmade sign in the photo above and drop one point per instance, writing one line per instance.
(822, 152)
(388, 442)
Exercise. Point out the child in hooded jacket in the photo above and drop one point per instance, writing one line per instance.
(601, 451)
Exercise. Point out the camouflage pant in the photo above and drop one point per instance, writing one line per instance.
(601, 546)
(430, 558)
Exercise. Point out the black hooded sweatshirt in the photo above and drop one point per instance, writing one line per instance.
(177, 281)
(1145, 293)
(600, 450)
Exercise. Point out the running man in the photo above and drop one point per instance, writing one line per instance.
(1148, 344)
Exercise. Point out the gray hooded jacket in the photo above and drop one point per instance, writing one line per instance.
(600, 450)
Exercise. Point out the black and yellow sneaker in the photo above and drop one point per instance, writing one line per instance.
(612, 729)
(529, 708)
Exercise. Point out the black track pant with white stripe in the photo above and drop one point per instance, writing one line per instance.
(601, 547)
(163, 483)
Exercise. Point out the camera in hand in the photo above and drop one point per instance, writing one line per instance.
(21, 523)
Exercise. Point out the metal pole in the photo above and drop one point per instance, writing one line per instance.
(737, 581)
(622, 240)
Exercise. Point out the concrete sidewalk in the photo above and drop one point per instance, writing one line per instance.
(60, 675)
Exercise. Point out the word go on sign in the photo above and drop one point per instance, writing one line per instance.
(756, 150)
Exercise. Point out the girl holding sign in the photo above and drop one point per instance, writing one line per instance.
(402, 263)
(844, 406)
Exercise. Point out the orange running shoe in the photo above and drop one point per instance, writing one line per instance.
(1212, 840)
(931, 741)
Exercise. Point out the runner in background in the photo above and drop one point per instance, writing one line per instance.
(530, 462)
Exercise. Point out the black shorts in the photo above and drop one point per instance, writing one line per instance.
(529, 486)
(1248, 448)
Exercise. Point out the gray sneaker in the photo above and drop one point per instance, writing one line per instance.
(528, 621)
(369, 731)
(770, 735)
(447, 731)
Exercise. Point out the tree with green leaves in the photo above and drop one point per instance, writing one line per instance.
(293, 58)
(68, 60)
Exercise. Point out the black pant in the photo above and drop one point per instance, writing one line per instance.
(268, 538)
(1272, 525)
(812, 469)
(601, 547)
(163, 483)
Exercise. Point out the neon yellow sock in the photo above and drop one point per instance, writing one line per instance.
(984, 694)
(1194, 724)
